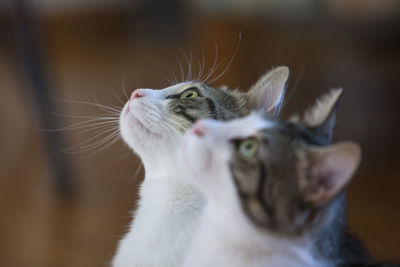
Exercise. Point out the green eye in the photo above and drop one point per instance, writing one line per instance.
(248, 147)
(189, 94)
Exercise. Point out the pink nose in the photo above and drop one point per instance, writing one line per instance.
(198, 129)
(136, 94)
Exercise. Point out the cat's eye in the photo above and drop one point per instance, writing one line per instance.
(189, 94)
(248, 147)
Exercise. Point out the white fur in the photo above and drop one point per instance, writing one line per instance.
(226, 237)
(169, 208)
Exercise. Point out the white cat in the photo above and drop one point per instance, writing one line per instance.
(152, 123)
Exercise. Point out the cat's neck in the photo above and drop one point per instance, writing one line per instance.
(162, 166)
(254, 243)
(329, 237)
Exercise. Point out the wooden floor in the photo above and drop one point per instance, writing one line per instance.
(88, 59)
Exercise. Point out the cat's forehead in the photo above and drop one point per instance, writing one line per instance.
(180, 87)
(251, 125)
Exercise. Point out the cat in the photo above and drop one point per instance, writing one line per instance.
(152, 123)
(274, 190)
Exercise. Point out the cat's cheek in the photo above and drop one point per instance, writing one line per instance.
(194, 157)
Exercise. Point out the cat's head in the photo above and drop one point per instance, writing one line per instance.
(153, 121)
(281, 175)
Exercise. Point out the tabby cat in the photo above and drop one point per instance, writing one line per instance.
(274, 190)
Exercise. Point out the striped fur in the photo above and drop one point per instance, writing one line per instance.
(282, 206)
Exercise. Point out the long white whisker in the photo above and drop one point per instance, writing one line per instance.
(86, 117)
(96, 128)
(123, 87)
(175, 122)
(106, 108)
(109, 109)
(187, 78)
(180, 66)
(203, 63)
(165, 78)
(230, 61)
(113, 138)
(118, 98)
(199, 70)
(95, 145)
(169, 126)
(213, 68)
(137, 171)
(82, 125)
(175, 79)
(190, 64)
(180, 119)
(96, 136)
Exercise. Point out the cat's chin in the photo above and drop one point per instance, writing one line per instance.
(145, 141)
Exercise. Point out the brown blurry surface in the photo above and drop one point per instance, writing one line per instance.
(92, 54)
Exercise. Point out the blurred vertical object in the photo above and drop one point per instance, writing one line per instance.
(31, 52)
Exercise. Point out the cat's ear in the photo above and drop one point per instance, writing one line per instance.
(267, 93)
(321, 117)
(329, 170)
(223, 88)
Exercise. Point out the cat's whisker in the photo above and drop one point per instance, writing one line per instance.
(199, 70)
(212, 69)
(171, 78)
(216, 68)
(108, 117)
(175, 79)
(200, 64)
(166, 78)
(167, 128)
(108, 109)
(110, 143)
(230, 61)
(173, 130)
(190, 64)
(85, 142)
(180, 66)
(72, 126)
(176, 123)
(95, 128)
(137, 172)
(187, 77)
(117, 97)
(83, 125)
(88, 148)
(123, 87)
(182, 120)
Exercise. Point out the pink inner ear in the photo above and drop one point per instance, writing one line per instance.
(331, 171)
(267, 93)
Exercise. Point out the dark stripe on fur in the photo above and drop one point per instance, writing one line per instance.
(180, 110)
(212, 108)
(269, 210)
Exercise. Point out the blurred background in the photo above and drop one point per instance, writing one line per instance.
(66, 196)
